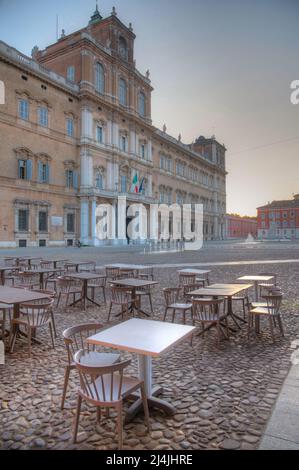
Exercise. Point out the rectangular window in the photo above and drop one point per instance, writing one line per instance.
(23, 218)
(42, 221)
(22, 169)
(123, 183)
(43, 172)
(24, 109)
(70, 223)
(43, 116)
(70, 73)
(123, 143)
(99, 134)
(70, 127)
(69, 178)
(142, 151)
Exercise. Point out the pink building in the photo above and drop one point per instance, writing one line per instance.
(240, 227)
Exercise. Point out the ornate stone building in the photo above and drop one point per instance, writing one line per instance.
(76, 131)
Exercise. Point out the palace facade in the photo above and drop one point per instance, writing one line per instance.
(76, 131)
(279, 219)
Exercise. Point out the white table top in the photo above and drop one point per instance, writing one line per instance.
(127, 266)
(194, 271)
(147, 337)
(255, 278)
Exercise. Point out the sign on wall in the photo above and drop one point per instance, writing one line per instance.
(57, 221)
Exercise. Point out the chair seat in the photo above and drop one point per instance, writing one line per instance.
(258, 304)
(142, 292)
(129, 384)
(180, 306)
(95, 358)
(239, 297)
(262, 311)
(266, 285)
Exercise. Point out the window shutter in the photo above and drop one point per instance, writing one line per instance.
(19, 168)
(75, 179)
(29, 170)
(40, 172)
(47, 173)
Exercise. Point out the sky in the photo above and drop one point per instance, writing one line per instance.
(217, 67)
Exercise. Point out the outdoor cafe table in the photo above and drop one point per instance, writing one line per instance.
(77, 264)
(2, 273)
(133, 284)
(15, 297)
(55, 261)
(42, 272)
(223, 290)
(85, 277)
(199, 272)
(126, 266)
(148, 339)
(256, 280)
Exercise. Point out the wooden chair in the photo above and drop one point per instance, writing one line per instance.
(126, 274)
(68, 287)
(171, 296)
(264, 303)
(98, 284)
(145, 291)
(243, 297)
(106, 387)
(122, 297)
(185, 279)
(27, 280)
(211, 312)
(271, 311)
(189, 288)
(32, 316)
(266, 285)
(112, 273)
(88, 267)
(75, 340)
(147, 273)
(11, 276)
(52, 295)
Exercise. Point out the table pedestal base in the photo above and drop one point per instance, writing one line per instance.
(153, 402)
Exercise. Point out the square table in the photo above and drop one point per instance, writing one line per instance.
(77, 264)
(223, 290)
(199, 272)
(15, 297)
(147, 338)
(133, 284)
(42, 272)
(85, 277)
(256, 279)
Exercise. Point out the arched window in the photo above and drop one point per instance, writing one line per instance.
(122, 92)
(141, 104)
(100, 78)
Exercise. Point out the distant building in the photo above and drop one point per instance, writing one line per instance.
(240, 227)
(279, 219)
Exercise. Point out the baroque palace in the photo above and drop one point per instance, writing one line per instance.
(76, 131)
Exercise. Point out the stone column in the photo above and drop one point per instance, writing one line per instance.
(86, 169)
(122, 220)
(84, 220)
(109, 133)
(93, 222)
(132, 141)
(150, 151)
(86, 123)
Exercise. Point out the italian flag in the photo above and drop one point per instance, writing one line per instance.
(135, 186)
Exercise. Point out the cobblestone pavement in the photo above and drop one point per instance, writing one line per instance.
(223, 397)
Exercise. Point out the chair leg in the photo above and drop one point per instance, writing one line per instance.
(99, 413)
(165, 313)
(218, 334)
(58, 299)
(104, 294)
(29, 340)
(53, 323)
(66, 381)
(173, 315)
(145, 406)
(150, 301)
(78, 410)
(120, 426)
(12, 337)
(227, 328)
(109, 313)
(51, 334)
(271, 328)
(280, 325)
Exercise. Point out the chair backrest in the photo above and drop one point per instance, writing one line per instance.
(99, 383)
(207, 309)
(50, 293)
(45, 264)
(147, 273)
(272, 281)
(75, 338)
(171, 295)
(274, 302)
(98, 281)
(112, 273)
(37, 312)
(120, 295)
(191, 287)
(27, 277)
(187, 278)
(126, 274)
